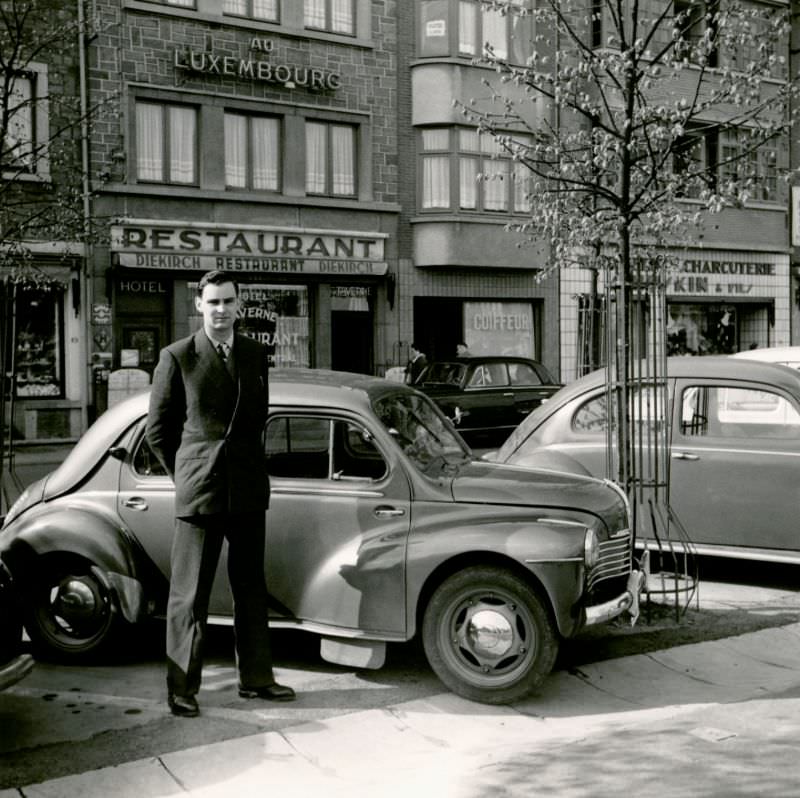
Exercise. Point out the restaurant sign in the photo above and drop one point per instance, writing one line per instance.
(177, 246)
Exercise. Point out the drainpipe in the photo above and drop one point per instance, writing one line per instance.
(85, 185)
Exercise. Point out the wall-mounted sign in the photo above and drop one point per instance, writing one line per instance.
(245, 248)
(247, 68)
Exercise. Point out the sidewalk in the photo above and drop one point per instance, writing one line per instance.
(715, 719)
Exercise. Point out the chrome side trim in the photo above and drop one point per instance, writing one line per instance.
(555, 559)
(368, 494)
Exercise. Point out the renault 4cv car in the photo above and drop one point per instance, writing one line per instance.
(734, 449)
(382, 526)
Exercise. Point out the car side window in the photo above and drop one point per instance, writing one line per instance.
(736, 412)
(592, 415)
(488, 374)
(303, 447)
(646, 412)
(145, 463)
(523, 374)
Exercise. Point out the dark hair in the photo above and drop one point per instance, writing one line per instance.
(216, 277)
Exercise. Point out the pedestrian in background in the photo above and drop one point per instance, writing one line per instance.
(416, 364)
(208, 410)
(462, 350)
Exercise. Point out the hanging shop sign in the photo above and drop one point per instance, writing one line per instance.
(178, 246)
(208, 62)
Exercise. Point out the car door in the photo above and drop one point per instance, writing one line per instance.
(338, 524)
(735, 461)
(529, 386)
(487, 398)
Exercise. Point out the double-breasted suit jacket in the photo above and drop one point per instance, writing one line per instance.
(206, 425)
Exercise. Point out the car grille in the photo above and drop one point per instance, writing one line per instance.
(615, 559)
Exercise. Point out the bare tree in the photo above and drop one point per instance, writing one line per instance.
(616, 121)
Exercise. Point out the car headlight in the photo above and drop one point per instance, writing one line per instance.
(591, 549)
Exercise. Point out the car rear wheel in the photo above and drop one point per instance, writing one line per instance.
(69, 611)
(488, 636)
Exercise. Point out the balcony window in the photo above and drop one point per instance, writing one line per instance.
(483, 31)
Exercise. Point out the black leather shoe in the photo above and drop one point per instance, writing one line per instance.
(272, 692)
(183, 706)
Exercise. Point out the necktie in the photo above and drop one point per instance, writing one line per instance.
(222, 353)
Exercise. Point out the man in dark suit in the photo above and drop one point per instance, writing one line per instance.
(416, 364)
(208, 410)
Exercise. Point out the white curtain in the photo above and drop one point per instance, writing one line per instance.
(342, 16)
(494, 32)
(19, 144)
(314, 13)
(436, 181)
(315, 158)
(468, 183)
(149, 142)
(495, 188)
(266, 153)
(182, 123)
(235, 150)
(343, 153)
(467, 11)
(265, 9)
(234, 7)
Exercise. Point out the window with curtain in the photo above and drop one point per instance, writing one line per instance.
(20, 137)
(252, 152)
(487, 177)
(335, 16)
(181, 3)
(482, 29)
(254, 9)
(330, 159)
(739, 162)
(166, 143)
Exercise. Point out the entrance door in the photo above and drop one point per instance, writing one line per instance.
(351, 341)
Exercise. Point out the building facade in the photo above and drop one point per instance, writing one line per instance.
(258, 137)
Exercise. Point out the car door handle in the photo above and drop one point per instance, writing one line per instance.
(135, 503)
(685, 456)
(388, 512)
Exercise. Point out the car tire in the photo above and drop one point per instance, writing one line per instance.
(69, 613)
(488, 635)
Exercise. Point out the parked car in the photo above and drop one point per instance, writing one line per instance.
(487, 397)
(381, 526)
(785, 355)
(15, 664)
(734, 450)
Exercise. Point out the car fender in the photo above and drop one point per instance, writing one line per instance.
(549, 556)
(98, 539)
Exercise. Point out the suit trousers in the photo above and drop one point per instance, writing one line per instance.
(195, 555)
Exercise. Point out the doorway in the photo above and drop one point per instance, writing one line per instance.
(351, 341)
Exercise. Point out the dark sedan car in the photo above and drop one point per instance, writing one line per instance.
(734, 449)
(381, 526)
(487, 397)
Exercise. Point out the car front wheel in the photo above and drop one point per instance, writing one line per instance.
(488, 636)
(69, 611)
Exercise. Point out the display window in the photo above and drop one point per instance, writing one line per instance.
(499, 328)
(702, 329)
(39, 345)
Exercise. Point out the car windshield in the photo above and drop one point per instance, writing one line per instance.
(422, 432)
(444, 373)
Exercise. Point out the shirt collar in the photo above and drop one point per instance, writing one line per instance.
(227, 343)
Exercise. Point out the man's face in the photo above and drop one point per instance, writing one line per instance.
(219, 306)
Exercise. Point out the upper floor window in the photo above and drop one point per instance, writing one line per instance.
(693, 160)
(166, 143)
(20, 132)
(181, 3)
(254, 9)
(474, 168)
(485, 31)
(693, 20)
(252, 152)
(334, 16)
(741, 161)
(330, 159)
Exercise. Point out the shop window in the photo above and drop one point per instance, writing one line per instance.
(333, 16)
(39, 355)
(275, 315)
(499, 328)
(330, 159)
(24, 149)
(702, 329)
(166, 143)
(252, 152)
(253, 9)
(489, 180)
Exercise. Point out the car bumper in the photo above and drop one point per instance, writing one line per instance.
(627, 601)
(16, 670)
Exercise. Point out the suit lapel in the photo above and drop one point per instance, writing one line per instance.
(210, 361)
